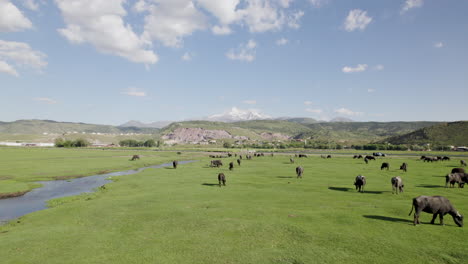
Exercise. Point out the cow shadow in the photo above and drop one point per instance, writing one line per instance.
(211, 184)
(387, 218)
(285, 177)
(431, 186)
(345, 189)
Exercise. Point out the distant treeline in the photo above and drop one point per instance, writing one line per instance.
(150, 143)
(64, 143)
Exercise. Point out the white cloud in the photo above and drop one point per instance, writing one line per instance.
(285, 3)
(282, 42)
(19, 54)
(132, 91)
(250, 102)
(100, 23)
(358, 68)
(225, 11)
(45, 100)
(409, 4)
(318, 3)
(169, 21)
(370, 90)
(187, 56)
(7, 68)
(245, 52)
(308, 103)
(379, 67)
(11, 18)
(315, 111)
(438, 45)
(293, 19)
(357, 19)
(221, 30)
(347, 112)
(31, 4)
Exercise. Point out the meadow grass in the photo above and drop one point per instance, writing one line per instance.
(263, 215)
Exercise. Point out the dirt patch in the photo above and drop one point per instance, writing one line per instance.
(11, 195)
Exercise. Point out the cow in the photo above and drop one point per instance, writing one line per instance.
(445, 158)
(174, 164)
(370, 157)
(436, 205)
(302, 156)
(355, 156)
(359, 182)
(238, 162)
(463, 163)
(216, 163)
(231, 165)
(359, 157)
(135, 157)
(366, 160)
(397, 184)
(385, 165)
(458, 170)
(221, 179)
(404, 167)
(299, 171)
(291, 160)
(453, 178)
(329, 156)
(229, 155)
(249, 157)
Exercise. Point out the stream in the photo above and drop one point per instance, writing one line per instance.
(36, 199)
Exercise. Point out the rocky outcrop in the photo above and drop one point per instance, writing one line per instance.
(193, 135)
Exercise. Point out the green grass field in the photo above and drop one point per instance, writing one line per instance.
(263, 215)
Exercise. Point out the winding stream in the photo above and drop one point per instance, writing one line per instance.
(36, 199)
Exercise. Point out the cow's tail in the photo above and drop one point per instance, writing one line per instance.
(412, 206)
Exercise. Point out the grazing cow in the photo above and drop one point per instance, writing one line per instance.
(231, 165)
(240, 156)
(213, 156)
(458, 170)
(216, 163)
(436, 205)
(221, 179)
(135, 157)
(404, 166)
(366, 160)
(329, 156)
(302, 156)
(397, 184)
(291, 160)
(174, 164)
(370, 157)
(359, 157)
(423, 158)
(445, 158)
(249, 157)
(463, 163)
(238, 162)
(359, 182)
(355, 156)
(453, 178)
(299, 171)
(229, 155)
(323, 156)
(385, 165)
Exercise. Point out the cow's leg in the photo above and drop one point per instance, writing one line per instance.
(441, 217)
(433, 218)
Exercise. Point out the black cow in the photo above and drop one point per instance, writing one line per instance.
(359, 182)
(135, 157)
(216, 163)
(458, 170)
(453, 178)
(221, 179)
(329, 156)
(385, 165)
(299, 171)
(436, 205)
(174, 164)
(463, 163)
(404, 166)
(370, 157)
(231, 165)
(238, 162)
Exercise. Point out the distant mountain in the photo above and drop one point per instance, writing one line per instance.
(300, 120)
(454, 133)
(134, 123)
(236, 114)
(341, 119)
(54, 127)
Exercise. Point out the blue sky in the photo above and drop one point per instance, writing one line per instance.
(107, 62)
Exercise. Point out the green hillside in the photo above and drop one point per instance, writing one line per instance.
(455, 133)
(49, 126)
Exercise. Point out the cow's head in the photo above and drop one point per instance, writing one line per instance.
(458, 218)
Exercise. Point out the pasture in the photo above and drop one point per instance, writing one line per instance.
(263, 215)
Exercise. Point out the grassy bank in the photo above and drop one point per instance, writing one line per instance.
(263, 215)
